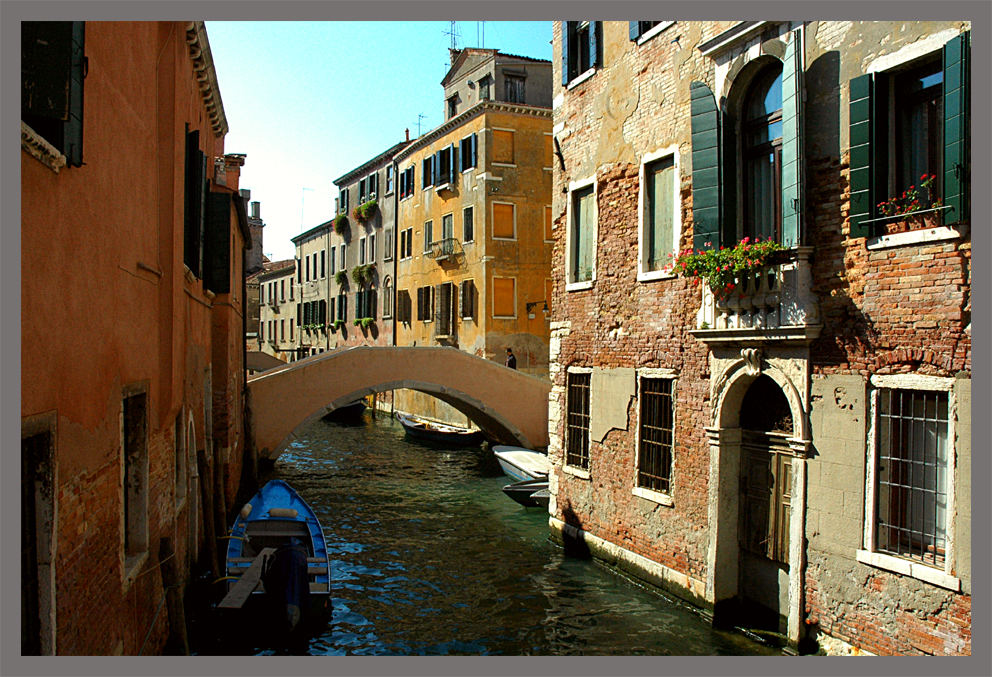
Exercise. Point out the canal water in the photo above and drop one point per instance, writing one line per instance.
(429, 557)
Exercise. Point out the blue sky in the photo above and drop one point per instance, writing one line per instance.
(309, 101)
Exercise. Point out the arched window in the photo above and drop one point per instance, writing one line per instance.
(387, 298)
(761, 155)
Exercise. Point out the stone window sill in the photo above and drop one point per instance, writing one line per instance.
(581, 473)
(654, 496)
(581, 78)
(36, 145)
(578, 286)
(651, 275)
(915, 570)
(921, 236)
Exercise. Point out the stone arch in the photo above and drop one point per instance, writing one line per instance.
(733, 386)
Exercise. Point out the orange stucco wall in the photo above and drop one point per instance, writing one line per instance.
(106, 304)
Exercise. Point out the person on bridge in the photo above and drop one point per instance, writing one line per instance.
(511, 359)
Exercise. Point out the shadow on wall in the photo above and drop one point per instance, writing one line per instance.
(574, 547)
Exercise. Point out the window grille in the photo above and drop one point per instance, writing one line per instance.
(654, 459)
(577, 425)
(911, 475)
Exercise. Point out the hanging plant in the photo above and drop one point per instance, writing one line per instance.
(723, 268)
(340, 224)
(367, 322)
(338, 324)
(358, 275)
(341, 277)
(364, 211)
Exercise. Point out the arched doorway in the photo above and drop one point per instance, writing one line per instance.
(764, 517)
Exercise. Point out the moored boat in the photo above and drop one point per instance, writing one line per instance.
(349, 413)
(522, 464)
(277, 559)
(437, 432)
(523, 492)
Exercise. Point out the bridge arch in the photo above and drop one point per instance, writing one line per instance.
(510, 406)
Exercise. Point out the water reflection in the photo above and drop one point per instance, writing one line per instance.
(428, 557)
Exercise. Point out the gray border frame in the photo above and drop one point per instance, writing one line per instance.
(978, 11)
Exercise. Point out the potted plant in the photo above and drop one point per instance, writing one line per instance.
(723, 268)
(367, 322)
(338, 324)
(918, 206)
(340, 224)
(358, 275)
(364, 211)
(341, 277)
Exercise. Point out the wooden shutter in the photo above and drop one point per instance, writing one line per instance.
(299, 314)
(503, 293)
(705, 167)
(451, 162)
(634, 28)
(957, 81)
(420, 303)
(217, 245)
(502, 146)
(74, 125)
(502, 220)
(861, 169)
(565, 66)
(792, 141)
(193, 222)
(594, 43)
(322, 319)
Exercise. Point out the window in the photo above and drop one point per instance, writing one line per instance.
(513, 88)
(580, 49)
(194, 203)
(342, 307)
(362, 190)
(299, 271)
(581, 236)
(334, 261)
(404, 310)
(444, 165)
(659, 217)
(485, 88)
(135, 493)
(468, 225)
(344, 200)
(361, 251)
(445, 309)
(468, 299)
(53, 65)
(504, 221)
(548, 234)
(282, 290)
(372, 182)
(428, 235)
(912, 468)
(468, 149)
(447, 226)
(504, 297)
(387, 298)
(406, 182)
(282, 330)
(323, 268)
(452, 106)
(427, 167)
(643, 31)
(577, 419)
(387, 244)
(503, 146)
(761, 155)
(406, 243)
(371, 247)
(425, 303)
(390, 178)
(344, 254)
(655, 435)
(291, 325)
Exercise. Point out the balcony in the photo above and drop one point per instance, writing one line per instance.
(774, 304)
(444, 249)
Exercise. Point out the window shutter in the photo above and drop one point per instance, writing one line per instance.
(372, 304)
(594, 43)
(705, 167)
(323, 312)
(861, 133)
(306, 313)
(420, 303)
(299, 314)
(565, 25)
(451, 162)
(344, 307)
(957, 83)
(792, 141)
(331, 314)
(438, 169)
(217, 245)
(635, 29)
(475, 150)
(74, 125)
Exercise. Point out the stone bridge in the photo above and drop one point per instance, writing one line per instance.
(510, 406)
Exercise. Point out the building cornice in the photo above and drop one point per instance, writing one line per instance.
(306, 235)
(206, 76)
(473, 112)
(379, 160)
(733, 35)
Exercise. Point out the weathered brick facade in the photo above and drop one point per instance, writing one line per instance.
(883, 312)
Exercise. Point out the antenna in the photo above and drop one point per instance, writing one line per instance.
(453, 32)
(420, 116)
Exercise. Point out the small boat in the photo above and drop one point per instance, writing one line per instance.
(542, 497)
(523, 492)
(522, 464)
(349, 413)
(277, 559)
(438, 432)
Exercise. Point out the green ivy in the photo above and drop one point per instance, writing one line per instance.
(341, 277)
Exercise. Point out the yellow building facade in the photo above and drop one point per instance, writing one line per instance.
(474, 240)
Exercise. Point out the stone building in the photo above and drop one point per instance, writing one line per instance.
(790, 450)
(473, 220)
(314, 264)
(277, 326)
(133, 241)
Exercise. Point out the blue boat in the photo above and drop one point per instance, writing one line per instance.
(277, 559)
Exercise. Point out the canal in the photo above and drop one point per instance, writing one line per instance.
(428, 557)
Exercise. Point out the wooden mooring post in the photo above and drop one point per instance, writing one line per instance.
(178, 641)
(208, 516)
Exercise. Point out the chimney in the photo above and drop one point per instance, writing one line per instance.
(407, 133)
(255, 210)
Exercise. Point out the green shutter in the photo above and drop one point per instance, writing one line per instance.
(957, 77)
(564, 53)
(74, 125)
(861, 170)
(192, 197)
(217, 244)
(705, 167)
(792, 141)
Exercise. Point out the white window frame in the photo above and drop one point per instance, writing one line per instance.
(571, 285)
(344, 256)
(493, 298)
(644, 275)
(428, 240)
(371, 246)
(659, 497)
(390, 179)
(653, 31)
(465, 209)
(361, 251)
(574, 470)
(942, 578)
(493, 220)
(461, 152)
